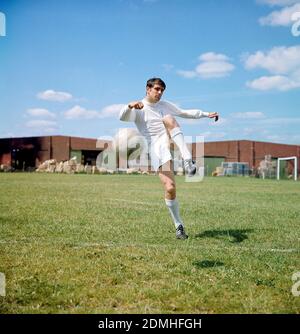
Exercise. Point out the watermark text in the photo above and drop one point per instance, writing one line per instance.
(296, 26)
(130, 150)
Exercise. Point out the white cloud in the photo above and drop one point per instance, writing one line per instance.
(211, 56)
(282, 17)
(40, 112)
(212, 65)
(249, 115)
(278, 82)
(112, 110)
(278, 2)
(283, 63)
(278, 60)
(41, 124)
(78, 112)
(51, 95)
(214, 69)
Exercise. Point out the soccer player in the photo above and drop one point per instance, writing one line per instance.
(155, 120)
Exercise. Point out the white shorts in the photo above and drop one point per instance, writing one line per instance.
(160, 151)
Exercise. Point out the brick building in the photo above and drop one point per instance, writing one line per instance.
(29, 152)
(247, 151)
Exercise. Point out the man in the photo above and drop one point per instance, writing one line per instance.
(155, 121)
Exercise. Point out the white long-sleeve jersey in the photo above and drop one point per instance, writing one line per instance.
(149, 119)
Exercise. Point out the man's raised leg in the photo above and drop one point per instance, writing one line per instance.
(176, 135)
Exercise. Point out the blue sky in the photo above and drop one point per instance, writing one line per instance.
(66, 66)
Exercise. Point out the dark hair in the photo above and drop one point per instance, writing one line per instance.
(151, 82)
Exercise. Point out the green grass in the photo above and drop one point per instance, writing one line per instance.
(106, 244)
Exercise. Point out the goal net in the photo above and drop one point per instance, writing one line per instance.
(295, 166)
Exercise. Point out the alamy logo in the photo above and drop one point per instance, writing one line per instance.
(2, 25)
(296, 25)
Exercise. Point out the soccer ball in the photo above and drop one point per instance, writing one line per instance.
(129, 143)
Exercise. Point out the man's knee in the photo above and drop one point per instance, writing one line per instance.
(170, 188)
(170, 122)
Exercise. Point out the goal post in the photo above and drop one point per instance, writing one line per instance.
(295, 166)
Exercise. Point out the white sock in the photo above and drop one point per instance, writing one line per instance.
(177, 136)
(173, 206)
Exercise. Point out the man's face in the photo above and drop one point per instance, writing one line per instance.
(155, 93)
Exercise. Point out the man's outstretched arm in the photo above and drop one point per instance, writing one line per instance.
(173, 110)
(128, 112)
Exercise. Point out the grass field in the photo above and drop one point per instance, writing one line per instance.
(106, 244)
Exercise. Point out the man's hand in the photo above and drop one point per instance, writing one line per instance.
(136, 105)
(214, 115)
